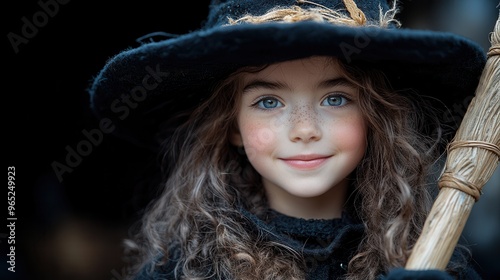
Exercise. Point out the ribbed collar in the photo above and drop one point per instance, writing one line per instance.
(311, 237)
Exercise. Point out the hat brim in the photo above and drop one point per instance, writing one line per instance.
(139, 88)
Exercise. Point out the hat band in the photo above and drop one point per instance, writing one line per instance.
(320, 13)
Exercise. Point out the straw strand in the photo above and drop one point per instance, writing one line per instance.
(355, 12)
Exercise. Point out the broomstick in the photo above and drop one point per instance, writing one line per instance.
(473, 156)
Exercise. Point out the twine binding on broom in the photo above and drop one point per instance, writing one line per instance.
(479, 144)
(467, 187)
(494, 50)
(451, 181)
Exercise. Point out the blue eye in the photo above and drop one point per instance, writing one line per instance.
(268, 103)
(334, 100)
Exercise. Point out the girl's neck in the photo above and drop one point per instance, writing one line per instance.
(326, 206)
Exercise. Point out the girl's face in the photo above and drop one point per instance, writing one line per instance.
(302, 130)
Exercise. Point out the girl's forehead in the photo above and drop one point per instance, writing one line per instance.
(316, 67)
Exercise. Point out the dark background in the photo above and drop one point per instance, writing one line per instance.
(73, 229)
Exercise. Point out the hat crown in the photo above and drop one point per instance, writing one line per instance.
(222, 11)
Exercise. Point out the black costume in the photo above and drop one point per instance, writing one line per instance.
(326, 245)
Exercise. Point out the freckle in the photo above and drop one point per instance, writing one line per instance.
(303, 113)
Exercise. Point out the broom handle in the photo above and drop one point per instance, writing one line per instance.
(454, 202)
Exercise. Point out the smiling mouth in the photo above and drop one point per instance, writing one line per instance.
(305, 162)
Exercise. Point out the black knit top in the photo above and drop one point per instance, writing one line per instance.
(326, 245)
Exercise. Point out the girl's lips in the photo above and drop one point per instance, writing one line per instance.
(305, 163)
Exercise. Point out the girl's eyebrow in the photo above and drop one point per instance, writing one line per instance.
(262, 84)
(340, 81)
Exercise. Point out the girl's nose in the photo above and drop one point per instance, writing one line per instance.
(304, 125)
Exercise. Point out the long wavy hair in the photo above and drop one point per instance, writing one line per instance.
(196, 218)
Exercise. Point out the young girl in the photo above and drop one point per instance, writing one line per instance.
(299, 140)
